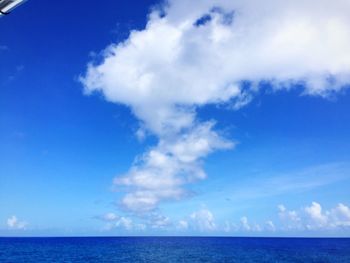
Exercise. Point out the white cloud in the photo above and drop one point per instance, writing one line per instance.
(113, 221)
(110, 217)
(194, 65)
(159, 221)
(14, 223)
(248, 227)
(182, 225)
(290, 218)
(340, 216)
(270, 226)
(316, 216)
(289, 215)
(162, 171)
(125, 223)
(203, 220)
(227, 226)
(244, 223)
(313, 217)
(176, 64)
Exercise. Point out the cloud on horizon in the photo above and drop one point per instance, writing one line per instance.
(14, 223)
(311, 219)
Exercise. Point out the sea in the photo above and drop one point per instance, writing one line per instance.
(174, 249)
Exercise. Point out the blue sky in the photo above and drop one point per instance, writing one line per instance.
(185, 148)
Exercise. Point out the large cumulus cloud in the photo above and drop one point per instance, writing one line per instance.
(193, 53)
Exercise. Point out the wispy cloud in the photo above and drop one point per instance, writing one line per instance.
(298, 181)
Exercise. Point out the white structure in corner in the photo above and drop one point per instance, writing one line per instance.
(7, 5)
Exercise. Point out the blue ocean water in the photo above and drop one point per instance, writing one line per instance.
(173, 249)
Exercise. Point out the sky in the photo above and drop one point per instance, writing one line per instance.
(212, 117)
